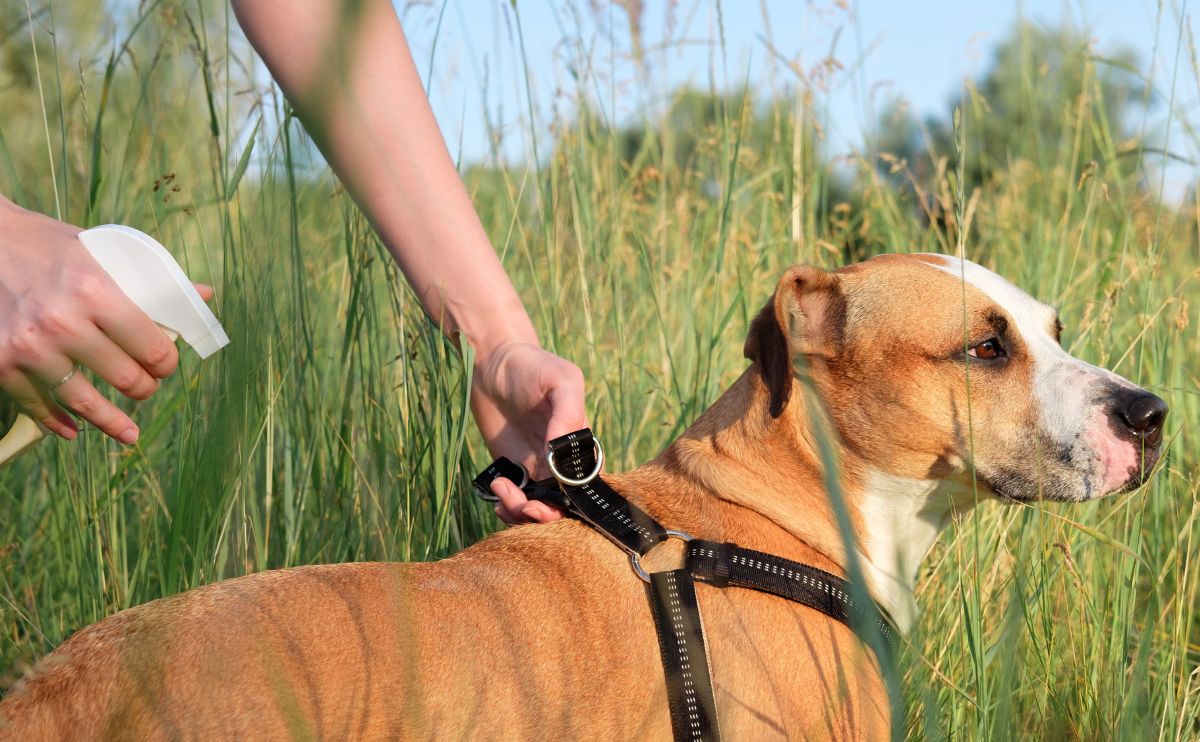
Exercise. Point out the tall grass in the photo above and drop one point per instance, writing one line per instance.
(335, 427)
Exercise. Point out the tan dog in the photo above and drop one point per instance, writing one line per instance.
(543, 632)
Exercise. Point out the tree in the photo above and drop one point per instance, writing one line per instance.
(1026, 107)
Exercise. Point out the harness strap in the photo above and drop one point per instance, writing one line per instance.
(574, 456)
(684, 656)
(724, 564)
(546, 490)
(672, 594)
(576, 459)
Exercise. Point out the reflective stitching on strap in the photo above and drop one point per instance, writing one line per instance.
(775, 569)
(726, 564)
(622, 517)
(685, 662)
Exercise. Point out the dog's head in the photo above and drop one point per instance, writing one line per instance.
(926, 362)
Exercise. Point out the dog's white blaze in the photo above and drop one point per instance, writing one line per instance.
(1053, 368)
(1064, 387)
(1060, 381)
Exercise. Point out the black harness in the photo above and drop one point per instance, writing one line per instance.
(575, 460)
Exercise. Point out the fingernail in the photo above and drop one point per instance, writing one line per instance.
(128, 435)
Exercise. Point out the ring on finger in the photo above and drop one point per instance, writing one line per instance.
(65, 378)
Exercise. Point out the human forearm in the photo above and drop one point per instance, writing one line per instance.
(353, 81)
(351, 78)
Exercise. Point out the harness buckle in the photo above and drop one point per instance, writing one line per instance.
(563, 479)
(635, 559)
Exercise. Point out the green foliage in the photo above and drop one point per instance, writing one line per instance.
(1032, 103)
(688, 145)
(335, 427)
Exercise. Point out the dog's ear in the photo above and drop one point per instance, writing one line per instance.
(802, 318)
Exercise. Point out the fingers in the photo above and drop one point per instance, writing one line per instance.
(135, 333)
(524, 398)
(96, 351)
(81, 398)
(84, 342)
(58, 306)
(503, 515)
(567, 413)
(565, 395)
(540, 512)
(514, 507)
(206, 292)
(512, 500)
(39, 406)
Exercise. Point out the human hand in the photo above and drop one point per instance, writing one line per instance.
(523, 397)
(59, 308)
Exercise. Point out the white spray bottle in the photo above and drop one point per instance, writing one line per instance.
(148, 275)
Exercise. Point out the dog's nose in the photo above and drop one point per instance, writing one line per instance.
(1143, 413)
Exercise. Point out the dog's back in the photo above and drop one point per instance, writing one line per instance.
(534, 633)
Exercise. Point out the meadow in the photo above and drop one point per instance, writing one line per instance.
(335, 427)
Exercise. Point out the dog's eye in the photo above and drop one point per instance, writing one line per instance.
(987, 350)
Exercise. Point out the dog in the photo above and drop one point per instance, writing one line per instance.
(935, 380)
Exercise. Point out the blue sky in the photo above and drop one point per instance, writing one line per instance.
(919, 51)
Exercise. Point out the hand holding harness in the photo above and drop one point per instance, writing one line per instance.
(575, 461)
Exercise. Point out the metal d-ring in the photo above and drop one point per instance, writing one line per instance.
(577, 482)
(635, 560)
(524, 477)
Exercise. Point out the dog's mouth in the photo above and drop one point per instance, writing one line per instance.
(1125, 465)
(1012, 485)
(1148, 458)
(1069, 484)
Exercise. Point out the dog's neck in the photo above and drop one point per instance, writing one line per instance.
(899, 521)
(738, 454)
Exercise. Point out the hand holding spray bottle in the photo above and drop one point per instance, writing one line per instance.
(148, 275)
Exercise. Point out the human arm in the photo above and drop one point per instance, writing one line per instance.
(347, 70)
